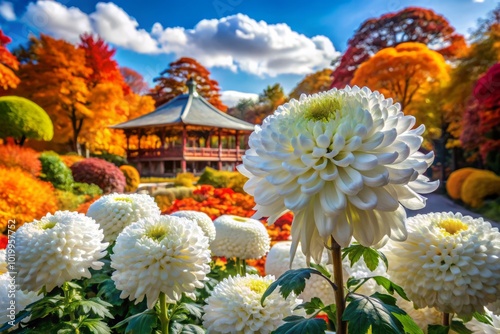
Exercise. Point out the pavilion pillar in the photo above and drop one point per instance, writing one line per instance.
(237, 140)
(127, 137)
(184, 141)
(219, 165)
(162, 139)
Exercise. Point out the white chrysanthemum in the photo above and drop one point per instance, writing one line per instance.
(479, 327)
(449, 262)
(240, 237)
(360, 270)
(234, 306)
(423, 317)
(346, 160)
(160, 254)
(56, 249)
(114, 212)
(12, 300)
(202, 219)
(278, 262)
(3, 262)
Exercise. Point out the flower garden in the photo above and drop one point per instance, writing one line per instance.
(328, 176)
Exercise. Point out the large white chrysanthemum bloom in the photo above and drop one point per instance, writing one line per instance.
(56, 249)
(344, 162)
(114, 212)
(234, 306)
(202, 219)
(278, 262)
(160, 254)
(240, 237)
(479, 327)
(449, 261)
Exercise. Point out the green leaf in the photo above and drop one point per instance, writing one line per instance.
(409, 325)
(192, 309)
(437, 329)
(291, 281)
(390, 286)
(300, 325)
(96, 326)
(370, 256)
(322, 269)
(376, 311)
(109, 293)
(460, 328)
(142, 323)
(352, 281)
(312, 306)
(484, 318)
(97, 306)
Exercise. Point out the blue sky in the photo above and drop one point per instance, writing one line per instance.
(246, 44)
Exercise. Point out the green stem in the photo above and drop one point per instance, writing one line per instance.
(446, 319)
(165, 321)
(68, 296)
(244, 263)
(339, 281)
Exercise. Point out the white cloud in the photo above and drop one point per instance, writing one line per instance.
(478, 1)
(53, 18)
(7, 11)
(236, 42)
(231, 97)
(114, 25)
(239, 42)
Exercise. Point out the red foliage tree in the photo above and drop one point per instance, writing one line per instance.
(172, 82)
(412, 24)
(134, 80)
(8, 64)
(99, 57)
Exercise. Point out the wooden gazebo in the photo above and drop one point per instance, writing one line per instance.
(190, 135)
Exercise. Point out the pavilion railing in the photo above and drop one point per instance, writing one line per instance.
(189, 152)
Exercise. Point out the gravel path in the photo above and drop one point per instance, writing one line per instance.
(439, 203)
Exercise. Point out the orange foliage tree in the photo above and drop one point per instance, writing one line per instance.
(134, 80)
(8, 64)
(172, 82)
(55, 77)
(313, 83)
(407, 73)
(412, 24)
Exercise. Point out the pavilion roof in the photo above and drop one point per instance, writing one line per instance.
(189, 109)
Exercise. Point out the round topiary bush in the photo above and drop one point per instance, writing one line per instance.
(479, 185)
(104, 174)
(456, 180)
(132, 178)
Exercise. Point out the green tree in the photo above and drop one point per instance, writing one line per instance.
(21, 118)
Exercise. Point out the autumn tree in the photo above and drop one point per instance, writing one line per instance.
(134, 80)
(406, 73)
(483, 53)
(412, 24)
(172, 82)
(55, 78)
(313, 83)
(8, 64)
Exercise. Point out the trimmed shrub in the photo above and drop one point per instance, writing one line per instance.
(104, 174)
(55, 171)
(70, 160)
(22, 118)
(88, 190)
(66, 200)
(23, 197)
(22, 157)
(184, 179)
(478, 186)
(166, 196)
(456, 180)
(132, 178)
(223, 179)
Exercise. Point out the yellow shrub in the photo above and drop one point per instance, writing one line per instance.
(165, 197)
(184, 179)
(24, 198)
(223, 179)
(456, 180)
(132, 178)
(479, 185)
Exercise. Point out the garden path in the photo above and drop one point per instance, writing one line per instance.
(440, 203)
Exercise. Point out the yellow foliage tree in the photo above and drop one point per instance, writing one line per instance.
(408, 73)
